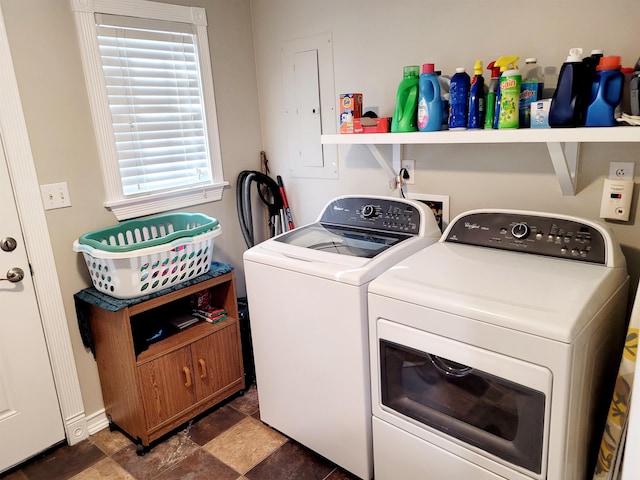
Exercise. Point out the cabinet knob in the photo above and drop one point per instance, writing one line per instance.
(187, 376)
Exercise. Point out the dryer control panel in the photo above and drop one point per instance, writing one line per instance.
(541, 235)
(382, 214)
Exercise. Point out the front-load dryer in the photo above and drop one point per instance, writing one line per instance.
(307, 296)
(493, 350)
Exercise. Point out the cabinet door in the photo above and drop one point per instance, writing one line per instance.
(217, 360)
(167, 386)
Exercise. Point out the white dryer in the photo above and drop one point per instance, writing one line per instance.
(493, 351)
(307, 297)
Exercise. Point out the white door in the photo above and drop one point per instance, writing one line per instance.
(30, 418)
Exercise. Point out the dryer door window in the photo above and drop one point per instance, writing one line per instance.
(497, 415)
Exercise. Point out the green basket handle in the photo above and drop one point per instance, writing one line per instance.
(179, 237)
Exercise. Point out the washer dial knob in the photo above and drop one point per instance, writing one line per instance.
(368, 211)
(520, 230)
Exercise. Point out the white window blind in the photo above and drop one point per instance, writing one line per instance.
(150, 85)
(154, 91)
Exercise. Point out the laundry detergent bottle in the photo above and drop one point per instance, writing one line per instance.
(429, 101)
(476, 98)
(606, 93)
(459, 101)
(571, 97)
(445, 96)
(404, 115)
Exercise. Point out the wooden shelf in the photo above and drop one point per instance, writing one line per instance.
(563, 144)
(181, 339)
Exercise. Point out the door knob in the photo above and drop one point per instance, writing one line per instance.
(8, 244)
(14, 275)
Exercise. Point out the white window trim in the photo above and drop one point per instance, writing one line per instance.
(123, 208)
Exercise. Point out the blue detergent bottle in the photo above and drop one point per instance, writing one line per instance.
(459, 101)
(606, 93)
(429, 100)
(571, 98)
(476, 98)
(404, 115)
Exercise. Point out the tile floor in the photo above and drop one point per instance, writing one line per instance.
(229, 443)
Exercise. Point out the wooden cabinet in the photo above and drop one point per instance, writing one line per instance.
(155, 377)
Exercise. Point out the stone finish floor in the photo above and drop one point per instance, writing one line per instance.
(229, 443)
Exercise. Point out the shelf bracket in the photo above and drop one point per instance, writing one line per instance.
(564, 157)
(392, 168)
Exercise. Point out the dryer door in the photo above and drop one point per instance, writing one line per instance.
(494, 403)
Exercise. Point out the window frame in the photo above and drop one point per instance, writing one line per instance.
(131, 207)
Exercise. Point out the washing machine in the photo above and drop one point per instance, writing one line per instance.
(494, 350)
(307, 295)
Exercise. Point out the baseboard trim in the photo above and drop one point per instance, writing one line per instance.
(97, 421)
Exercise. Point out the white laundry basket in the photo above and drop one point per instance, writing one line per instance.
(138, 257)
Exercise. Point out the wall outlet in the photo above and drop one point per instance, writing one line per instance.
(410, 166)
(621, 170)
(55, 195)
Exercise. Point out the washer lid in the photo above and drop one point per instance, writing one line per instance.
(545, 296)
(337, 239)
(354, 239)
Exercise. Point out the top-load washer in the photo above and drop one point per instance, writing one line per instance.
(494, 350)
(307, 296)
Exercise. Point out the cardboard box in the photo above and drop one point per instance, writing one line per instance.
(540, 113)
(350, 109)
(371, 125)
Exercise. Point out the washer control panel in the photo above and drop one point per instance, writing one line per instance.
(389, 215)
(541, 235)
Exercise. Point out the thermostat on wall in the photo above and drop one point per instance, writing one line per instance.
(616, 199)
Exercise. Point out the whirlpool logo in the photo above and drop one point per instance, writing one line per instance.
(471, 226)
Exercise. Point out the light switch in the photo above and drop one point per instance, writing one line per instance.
(55, 195)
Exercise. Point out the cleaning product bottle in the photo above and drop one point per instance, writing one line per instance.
(503, 63)
(591, 62)
(459, 101)
(404, 115)
(429, 100)
(476, 98)
(606, 93)
(530, 90)
(571, 97)
(445, 84)
(510, 81)
(492, 95)
(634, 94)
(625, 103)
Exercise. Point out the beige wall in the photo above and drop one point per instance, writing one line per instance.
(46, 56)
(372, 40)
